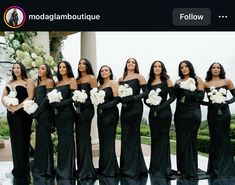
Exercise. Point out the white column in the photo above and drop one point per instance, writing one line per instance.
(42, 40)
(88, 50)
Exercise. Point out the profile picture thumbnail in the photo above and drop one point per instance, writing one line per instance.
(14, 17)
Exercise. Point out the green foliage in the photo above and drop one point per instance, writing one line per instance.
(203, 142)
(4, 129)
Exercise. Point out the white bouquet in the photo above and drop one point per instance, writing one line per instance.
(97, 96)
(154, 98)
(54, 96)
(217, 96)
(10, 99)
(30, 106)
(124, 90)
(188, 84)
(79, 96)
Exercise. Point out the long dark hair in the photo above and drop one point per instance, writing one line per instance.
(209, 74)
(89, 69)
(191, 69)
(136, 67)
(49, 73)
(69, 70)
(100, 79)
(23, 71)
(164, 77)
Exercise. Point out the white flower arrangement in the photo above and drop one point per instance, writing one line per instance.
(54, 96)
(188, 84)
(20, 47)
(10, 99)
(217, 96)
(79, 96)
(97, 96)
(124, 90)
(30, 106)
(153, 97)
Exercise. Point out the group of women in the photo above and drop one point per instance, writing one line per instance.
(187, 120)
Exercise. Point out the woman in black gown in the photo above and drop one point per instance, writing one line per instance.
(160, 117)
(19, 122)
(85, 81)
(43, 167)
(187, 120)
(64, 119)
(107, 122)
(132, 160)
(221, 162)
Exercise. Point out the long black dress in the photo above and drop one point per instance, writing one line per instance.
(43, 156)
(132, 160)
(160, 162)
(107, 123)
(85, 165)
(65, 128)
(187, 120)
(221, 162)
(20, 128)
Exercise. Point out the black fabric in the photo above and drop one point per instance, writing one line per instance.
(137, 97)
(20, 129)
(196, 95)
(221, 162)
(85, 168)
(64, 102)
(160, 163)
(65, 128)
(107, 124)
(232, 100)
(131, 160)
(42, 103)
(187, 119)
(43, 157)
(110, 104)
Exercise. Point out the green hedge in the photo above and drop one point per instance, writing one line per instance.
(204, 141)
(4, 129)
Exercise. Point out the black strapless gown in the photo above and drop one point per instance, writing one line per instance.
(83, 139)
(160, 162)
(132, 160)
(20, 129)
(187, 120)
(43, 156)
(65, 128)
(221, 162)
(107, 124)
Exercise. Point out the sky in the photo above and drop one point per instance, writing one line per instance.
(200, 48)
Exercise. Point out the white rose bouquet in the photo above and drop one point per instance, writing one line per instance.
(80, 97)
(124, 90)
(153, 97)
(10, 99)
(97, 96)
(29, 106)
(218, 96)
(188, 84)
(55, 96)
